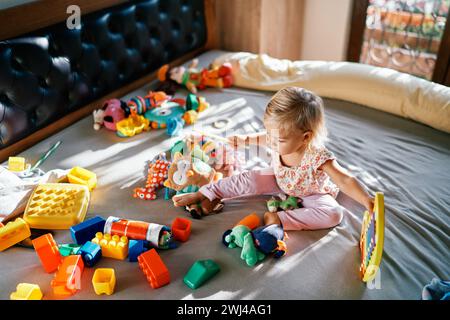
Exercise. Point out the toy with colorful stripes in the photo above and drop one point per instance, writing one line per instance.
(372, 239)
(156, 110)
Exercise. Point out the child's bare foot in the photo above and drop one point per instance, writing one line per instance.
(186, 199)
(271, 218)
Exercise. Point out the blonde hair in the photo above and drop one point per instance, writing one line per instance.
(297, 109)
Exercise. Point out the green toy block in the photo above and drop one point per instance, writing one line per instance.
(200, 272)
(69, 249)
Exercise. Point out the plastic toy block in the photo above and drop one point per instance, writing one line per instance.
(154, 269)
(69, 249)
(200, 272)
(27, 291)
(13, 232)
(113, 247)
(85, 231)
(104, 281)
(132, 126)
(47, 251)
(57, 206)
(181, 229)
(135, 249)
(82, 176)
(91, 253)
(252, 221)
(16, 164)
(68, 278)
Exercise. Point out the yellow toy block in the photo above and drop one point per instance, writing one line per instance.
(16, 164)
(82, 176)
(57, 206)
(132, 125)
(104, 281)
(26, 291)
(372, 239)
(14, 232)
(113, 247)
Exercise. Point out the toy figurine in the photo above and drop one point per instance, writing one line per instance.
(194, 79)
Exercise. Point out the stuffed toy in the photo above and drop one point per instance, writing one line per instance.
(188, 173)
(289, 203)
(213, 151)
(157, 174)
(257, 243)
(194, 79)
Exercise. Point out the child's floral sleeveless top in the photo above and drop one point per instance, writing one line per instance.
(305, 179)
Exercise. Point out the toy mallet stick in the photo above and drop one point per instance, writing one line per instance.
(45, 156)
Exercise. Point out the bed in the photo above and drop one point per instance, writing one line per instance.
(406, 160)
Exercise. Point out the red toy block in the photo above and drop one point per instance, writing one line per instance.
(181, 229)
(154, 269)
(68, 278)
(48, 252)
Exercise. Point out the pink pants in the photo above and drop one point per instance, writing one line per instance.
(320, 211)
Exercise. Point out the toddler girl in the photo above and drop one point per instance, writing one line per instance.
(301, 167)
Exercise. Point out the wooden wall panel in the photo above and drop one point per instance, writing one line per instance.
(239, 24)
(261, 26)
(282, 28)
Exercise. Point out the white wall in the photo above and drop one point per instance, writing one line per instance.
(326, 25)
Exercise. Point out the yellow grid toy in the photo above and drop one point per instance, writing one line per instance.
(372, 239)
(57, 206)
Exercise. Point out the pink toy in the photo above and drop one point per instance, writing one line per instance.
(111, 113)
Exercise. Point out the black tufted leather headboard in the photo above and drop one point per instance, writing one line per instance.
(49, 73)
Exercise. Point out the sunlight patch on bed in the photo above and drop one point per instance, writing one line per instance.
(292, 261)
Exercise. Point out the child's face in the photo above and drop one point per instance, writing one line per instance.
(284, 142)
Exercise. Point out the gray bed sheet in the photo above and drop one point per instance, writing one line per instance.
(406, 160)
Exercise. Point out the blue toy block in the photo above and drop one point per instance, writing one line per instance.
(91, 253)
(85, 231)
(135, 249)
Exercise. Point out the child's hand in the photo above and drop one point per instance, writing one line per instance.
(237, 140)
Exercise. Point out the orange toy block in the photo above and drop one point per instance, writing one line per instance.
(252, 221)
(48, 252)
(181, 229)
(68, 278)
(154, 269)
